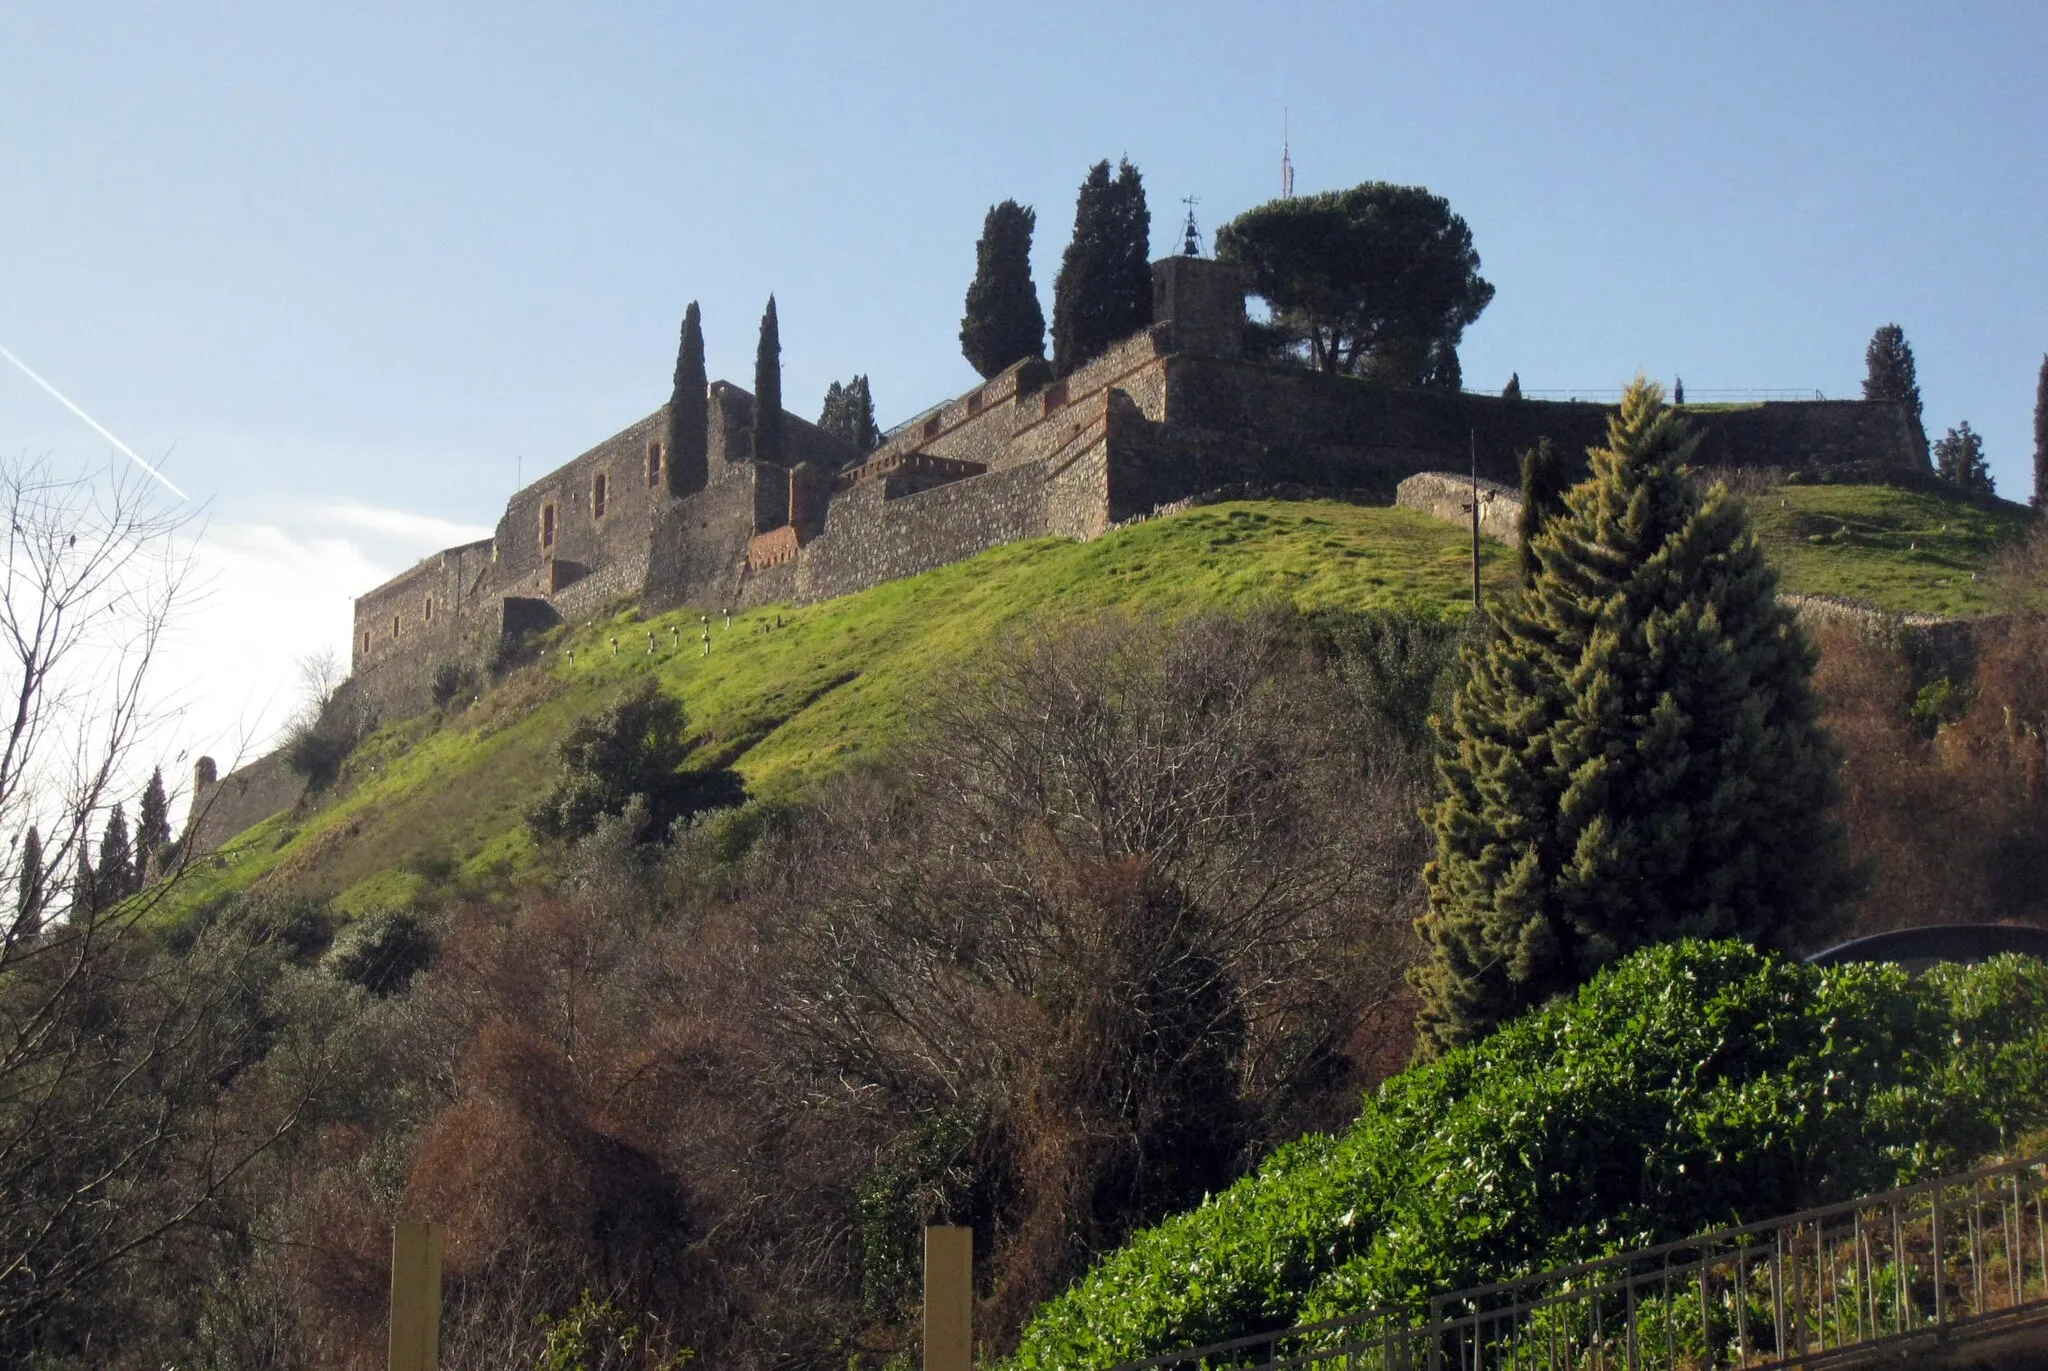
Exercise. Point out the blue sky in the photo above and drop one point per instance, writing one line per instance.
(350, 267)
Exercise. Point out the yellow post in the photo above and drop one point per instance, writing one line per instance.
(415, 1297)
(948, 1299)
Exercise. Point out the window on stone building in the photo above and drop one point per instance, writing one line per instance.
(547, 525)
(599, 489)
(366, 640)
(427, 610)
(653, 465)
(394, 626)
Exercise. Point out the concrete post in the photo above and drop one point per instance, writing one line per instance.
(948, 1299)
(415, 1297)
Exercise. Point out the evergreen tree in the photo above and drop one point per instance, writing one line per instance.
(1959, 460)
(152, 826)
(1003, 324)
(1677, 390)
(1443, 371)
(114, 879)
(1544, 485)
(849, 415)
(768, 389)
(2040, 500)
(29, 889)
(1513, 389)
(1636, 755)
(1104, 289)
(687, 443)
(1889, 374)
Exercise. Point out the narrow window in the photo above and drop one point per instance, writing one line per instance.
(394, 627)
(427, 612)
(366, 640)
(653, 465)
(547, 525)
(597, 494)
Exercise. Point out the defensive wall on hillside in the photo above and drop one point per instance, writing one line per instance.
(1173, 411)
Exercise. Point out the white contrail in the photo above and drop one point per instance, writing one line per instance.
(93, 423)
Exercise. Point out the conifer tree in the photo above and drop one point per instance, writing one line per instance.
(849, 415)
(1443, 371)
(2040, 500)
(1104, 289)
(1889, 374)
(1003, 323)
(1513, 389)
(113, 879)
(768, 389)
(1959, 460)
(29, 887)
(689, 414)
(152, 826)
(1544, 484)
(1678, 390)
(1636, 755)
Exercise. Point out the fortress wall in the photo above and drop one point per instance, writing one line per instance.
(239, 800)
(1812, 435)
(698, 545)
(730, 437)
(585, 541)
(445, 608)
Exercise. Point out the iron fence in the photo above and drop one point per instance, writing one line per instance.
(1964, 1252)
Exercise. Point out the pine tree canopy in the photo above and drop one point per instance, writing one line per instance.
(1635, 756)
(2040, 500)
(689, 412)
(152, 825)
(1004, 323)
(768, 389)
(849, 415)
(1375, 280)
(1104, 289)
(1959, 460)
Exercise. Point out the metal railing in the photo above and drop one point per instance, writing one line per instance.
(1602, 395)
(1964, 1252)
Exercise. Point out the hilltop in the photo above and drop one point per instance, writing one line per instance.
(787, 694)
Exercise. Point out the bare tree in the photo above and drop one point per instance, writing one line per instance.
(115, 1048)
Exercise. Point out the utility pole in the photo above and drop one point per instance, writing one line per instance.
(1473, 434)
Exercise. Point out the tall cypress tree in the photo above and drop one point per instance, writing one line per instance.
(2040, 500)
(152, 825)
(1003, 323)
(768, 389)
(114, 879)
(1636, 756)
(29, 887)
(1104, 289)
(1544, 485)
(1889, 374)
(689, 414)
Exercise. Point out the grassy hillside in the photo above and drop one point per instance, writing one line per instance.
(438, 800)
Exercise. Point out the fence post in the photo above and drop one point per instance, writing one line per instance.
(415, 1297)
(948, 1299)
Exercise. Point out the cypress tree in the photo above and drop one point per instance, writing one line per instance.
(1636, 755)
(1678, 390)
(1544, 484)
(849, 415)
(1889, 374)
(1959, 460)
(112, 883)
(1003, 323)
(1443, 371)
(768, 389)
(28, 898)
(1104, 289)
(1513, 389)
(689, 413)
(2040, 500)
(152, 826)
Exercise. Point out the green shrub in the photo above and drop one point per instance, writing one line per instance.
(450, 680)
(382, 952)
(634, 748)
(1691, 1086)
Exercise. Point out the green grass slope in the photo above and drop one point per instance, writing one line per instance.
(438, 800)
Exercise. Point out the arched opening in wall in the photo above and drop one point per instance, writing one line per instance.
(600, 487)
(653, 465)
(547, 526)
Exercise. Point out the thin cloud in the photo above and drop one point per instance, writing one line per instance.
(401, 523)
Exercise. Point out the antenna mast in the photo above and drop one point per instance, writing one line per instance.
(1286, 158)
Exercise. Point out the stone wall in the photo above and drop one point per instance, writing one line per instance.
(223, 806)
(1447, 495)
(447, 608)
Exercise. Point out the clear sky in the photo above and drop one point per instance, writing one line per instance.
(351, 268)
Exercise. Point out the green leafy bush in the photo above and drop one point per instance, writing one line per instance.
(1691, 1086)
(634, 748)
(382, 952)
